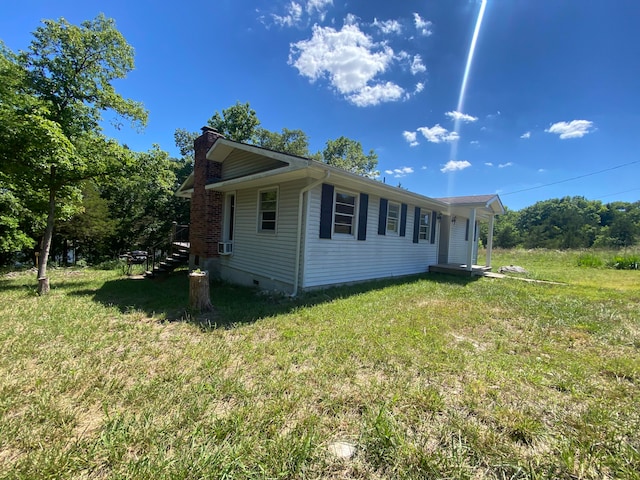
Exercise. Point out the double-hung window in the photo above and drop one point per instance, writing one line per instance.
(393, 218)
(424, 225)
(267, 210)
(344, 213)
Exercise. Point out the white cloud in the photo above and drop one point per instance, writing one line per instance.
(454, 165)
(474, 142)
(488, 164)
(350, 19)
(526, 135)
(417, 66)
(419, 87)
(350, 60)
(541, 170)
(319, 6)
(424, 167)
(294, 11)
(410, 137)
(422, 26)
(388, 26)
(292, 17)
(437, 134)
(373, 95)
(504, 165)
(455, 115)
(572, 129)
(399, 172)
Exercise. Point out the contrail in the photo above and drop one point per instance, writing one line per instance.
(463, 88)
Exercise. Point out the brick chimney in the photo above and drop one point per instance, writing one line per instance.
(205, 230)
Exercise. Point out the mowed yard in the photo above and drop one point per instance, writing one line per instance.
(431, 376)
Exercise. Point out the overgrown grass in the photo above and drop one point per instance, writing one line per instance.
(429, 377)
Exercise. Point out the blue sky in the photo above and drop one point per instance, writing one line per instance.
(552, 91)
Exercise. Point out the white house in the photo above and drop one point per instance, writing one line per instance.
(278, 221)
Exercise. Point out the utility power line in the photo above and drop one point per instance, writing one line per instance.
(572, 178)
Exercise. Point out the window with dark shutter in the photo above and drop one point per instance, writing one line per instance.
(416, 224)
(382, 217)
(344, 213)
(326, 210)
(403, 220)
(362, 216)
(466, 232)
(393, 218)
(434, 217)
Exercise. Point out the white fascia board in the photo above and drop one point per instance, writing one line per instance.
(369, 185)
(186, 193)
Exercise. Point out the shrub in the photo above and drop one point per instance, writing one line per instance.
(625, 262)
(589, 260)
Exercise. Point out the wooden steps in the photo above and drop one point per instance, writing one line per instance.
(178, 258)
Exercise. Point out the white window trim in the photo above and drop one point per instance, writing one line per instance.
(354, 228)
(259, 229)
(227, 213)
(397, 231)
(429, 227)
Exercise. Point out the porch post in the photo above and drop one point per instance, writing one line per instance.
(490, 240)
(472, 223)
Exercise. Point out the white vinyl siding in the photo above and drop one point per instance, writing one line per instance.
(344, 259)
(241, 163)
(268, 256)
(458, 245)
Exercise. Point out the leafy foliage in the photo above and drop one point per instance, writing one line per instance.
(347, 154)
(238, 122)
(50, 112)
(294, 142)
(569, 222)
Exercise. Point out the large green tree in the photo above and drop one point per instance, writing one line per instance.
(294, 142)
(347, 154)
(238, 122)
(54, 140)
(143, 202)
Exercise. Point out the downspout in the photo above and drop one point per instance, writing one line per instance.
(296, 280)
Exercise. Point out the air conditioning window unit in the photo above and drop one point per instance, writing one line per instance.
(225, 248)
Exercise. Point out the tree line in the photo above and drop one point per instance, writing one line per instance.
(62, 180)
(568, 222)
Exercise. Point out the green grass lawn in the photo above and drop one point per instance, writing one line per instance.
(431, 376)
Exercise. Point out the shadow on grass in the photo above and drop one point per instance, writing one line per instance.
(168, 297)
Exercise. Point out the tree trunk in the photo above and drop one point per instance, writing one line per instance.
(43, 281)
(199, 299)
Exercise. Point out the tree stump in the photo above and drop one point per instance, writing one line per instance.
(199, 299)
(43, 285)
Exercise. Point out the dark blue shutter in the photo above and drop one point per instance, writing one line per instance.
(326, 210)
(382, 217)
(416, 224)
(475, 232)
(362, 216)
(466, 232)
(403, 220)
(434, 219)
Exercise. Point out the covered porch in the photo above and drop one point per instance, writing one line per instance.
(475, 208)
